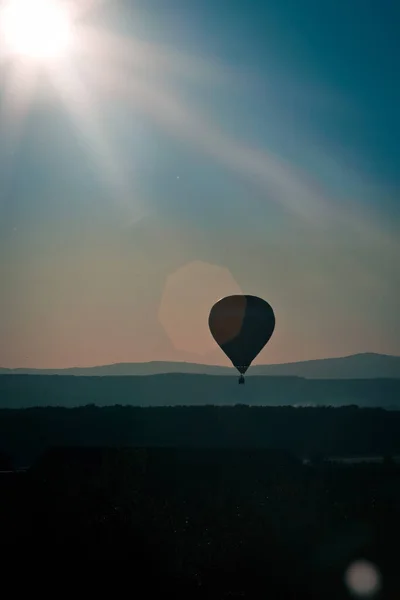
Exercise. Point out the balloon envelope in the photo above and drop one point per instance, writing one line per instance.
(241, 325)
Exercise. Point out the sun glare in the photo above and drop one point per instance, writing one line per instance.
(36, 29)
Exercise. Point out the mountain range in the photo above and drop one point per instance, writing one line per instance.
(356, 366)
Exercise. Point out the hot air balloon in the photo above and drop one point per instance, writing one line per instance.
(241, 325)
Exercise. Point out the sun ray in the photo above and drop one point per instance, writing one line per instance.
(151, 58)
(282, 183)
(80, 8)
(14, 108)
(81, 106)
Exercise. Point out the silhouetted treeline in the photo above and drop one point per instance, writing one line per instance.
(25, 434)
(207, 523)
(23, 391)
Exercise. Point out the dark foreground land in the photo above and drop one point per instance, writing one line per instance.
(206, 523)
(305, 432)
(204, 502)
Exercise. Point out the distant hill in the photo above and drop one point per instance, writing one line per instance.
(174, 389)
(357, 366)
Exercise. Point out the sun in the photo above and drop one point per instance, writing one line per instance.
(40, 30)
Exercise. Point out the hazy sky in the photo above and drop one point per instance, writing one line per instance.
(191, 149)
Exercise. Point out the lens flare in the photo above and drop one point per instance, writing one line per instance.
(363, 579)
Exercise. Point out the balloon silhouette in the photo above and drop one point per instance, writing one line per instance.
(241, 325)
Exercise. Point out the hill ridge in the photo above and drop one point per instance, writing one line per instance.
(366, 365)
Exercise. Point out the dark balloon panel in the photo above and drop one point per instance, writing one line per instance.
(241, 325)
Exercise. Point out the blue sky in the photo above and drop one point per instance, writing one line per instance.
(189, 150)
